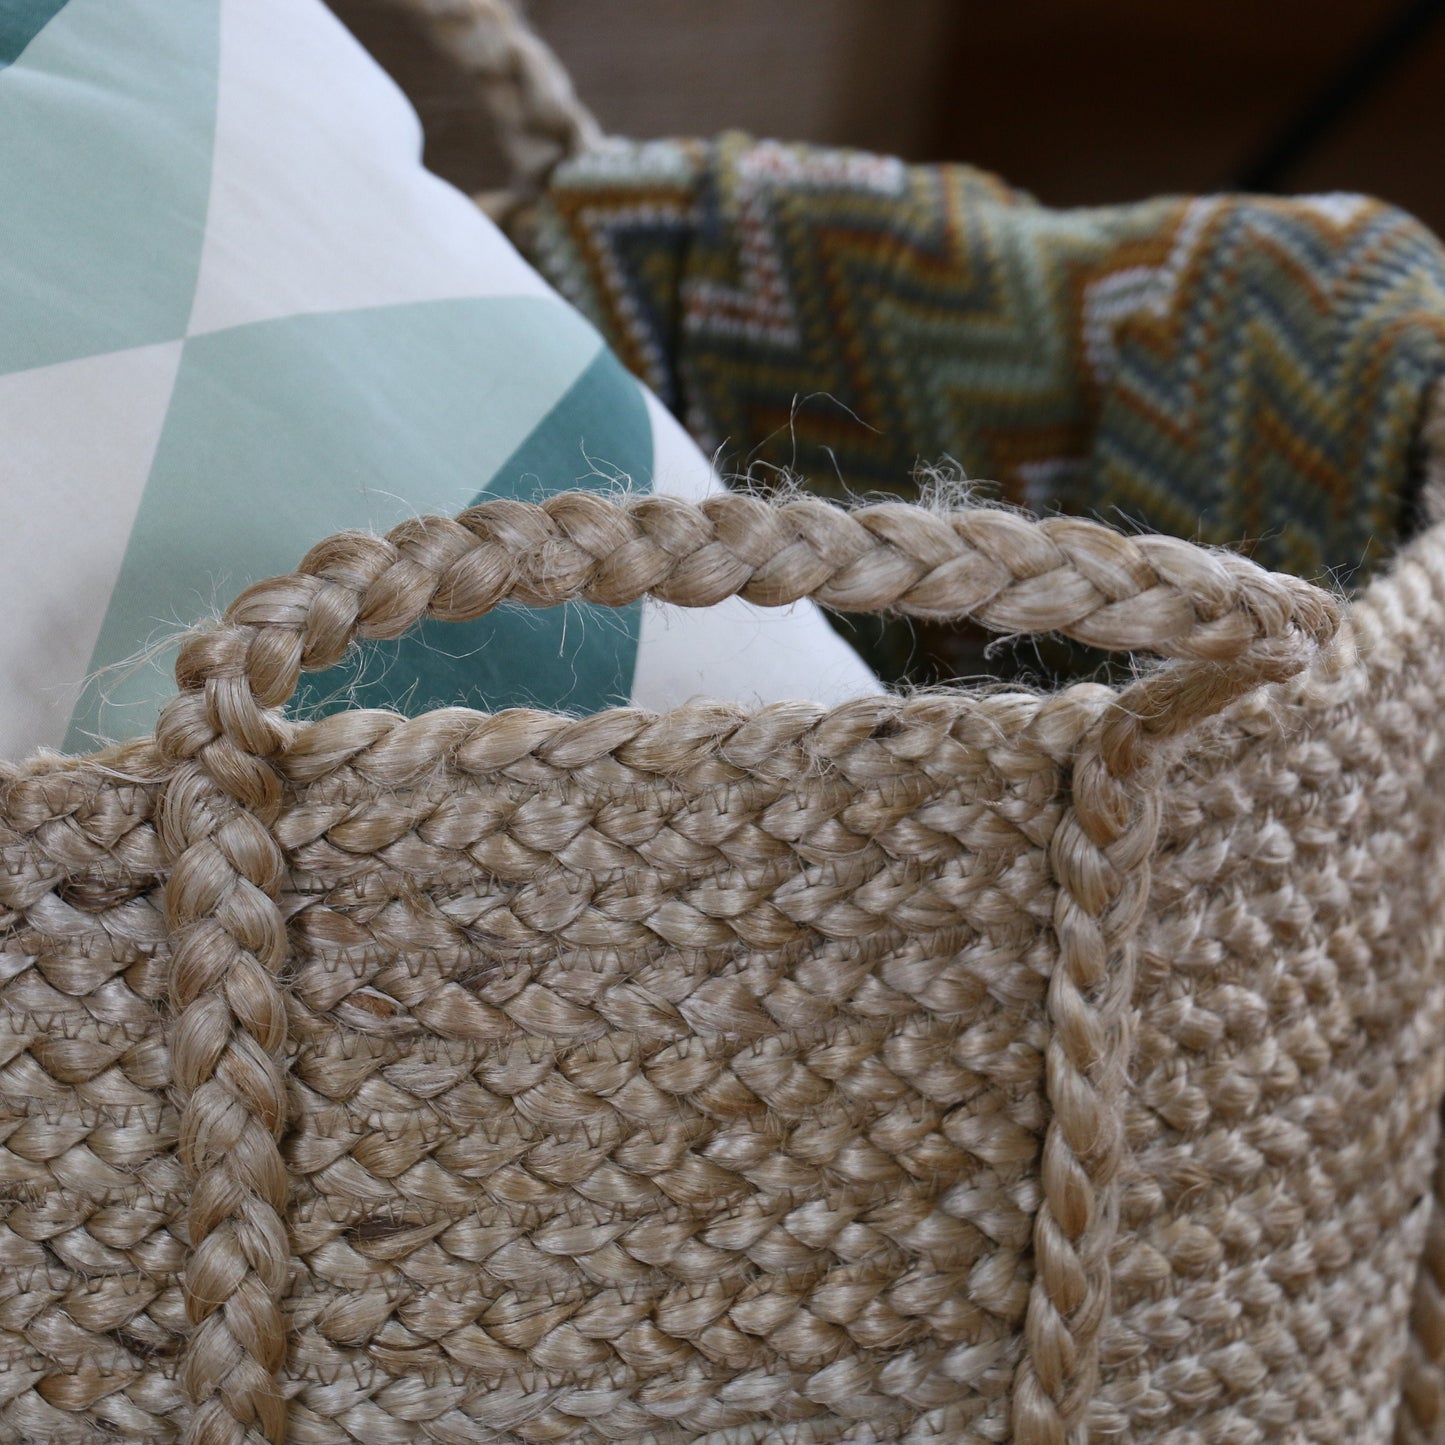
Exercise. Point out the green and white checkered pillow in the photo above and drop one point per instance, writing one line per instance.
(236, 315)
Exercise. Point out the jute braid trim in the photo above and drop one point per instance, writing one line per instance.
(1234, 623)
(540, 121)
(1100, 856)
(1008, 572)
(229, 943)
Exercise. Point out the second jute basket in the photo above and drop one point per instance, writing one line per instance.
(982, 1065)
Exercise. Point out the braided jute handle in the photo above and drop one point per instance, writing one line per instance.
(540, 121)
(1229, 625)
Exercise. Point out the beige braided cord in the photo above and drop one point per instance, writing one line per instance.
(1100, 856)
(540, 121)
(1230, 625)
(229, 943)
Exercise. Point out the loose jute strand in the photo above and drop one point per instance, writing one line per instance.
(540, 121)
(1233, 623)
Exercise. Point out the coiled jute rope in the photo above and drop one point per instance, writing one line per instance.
(1227, 625)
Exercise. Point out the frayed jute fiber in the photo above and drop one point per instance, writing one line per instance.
(981, 1066)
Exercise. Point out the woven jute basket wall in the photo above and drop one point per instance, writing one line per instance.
(981, 1065)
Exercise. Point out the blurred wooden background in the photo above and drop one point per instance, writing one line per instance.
(1078, 101)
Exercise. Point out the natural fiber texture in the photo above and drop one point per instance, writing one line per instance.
(1421, 1419)
(635, 1077)
(228, 929)
(982, 1066)
(1287, 1073)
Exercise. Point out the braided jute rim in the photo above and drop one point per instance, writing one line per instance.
(1228, 625)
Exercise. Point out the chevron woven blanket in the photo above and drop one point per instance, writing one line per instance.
(1236, 369)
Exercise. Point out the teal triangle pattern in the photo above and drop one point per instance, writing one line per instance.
(281, 432)
(575, 658)
(107, 123)
(20, 22)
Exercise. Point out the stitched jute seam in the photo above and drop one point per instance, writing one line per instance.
(1101, 860)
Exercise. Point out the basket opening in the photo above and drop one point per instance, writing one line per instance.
(1240, 371)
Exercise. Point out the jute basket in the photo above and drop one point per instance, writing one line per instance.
(979, 1066)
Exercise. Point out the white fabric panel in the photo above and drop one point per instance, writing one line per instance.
(79, 440)
(319, 201)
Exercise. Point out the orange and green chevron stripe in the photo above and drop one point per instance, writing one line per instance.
(1234, 368)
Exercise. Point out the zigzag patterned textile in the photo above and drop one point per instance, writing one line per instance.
(1232, 368)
